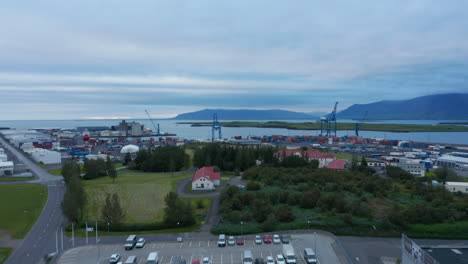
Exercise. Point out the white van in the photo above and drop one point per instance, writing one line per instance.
(248, 259)
(309, 256)
(130, 242)
(288, 254)
(222, 240)
(131, 260)
(152, 258)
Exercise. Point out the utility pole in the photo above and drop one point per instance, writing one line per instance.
(86, 231)
(56, 242)
(61, 236)
(97, 241)
(73, 235)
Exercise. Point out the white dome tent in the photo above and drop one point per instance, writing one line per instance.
(130, 149)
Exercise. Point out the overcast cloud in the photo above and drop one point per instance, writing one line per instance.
(83, 59)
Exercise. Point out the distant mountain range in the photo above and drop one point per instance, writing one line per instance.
(431, 107)
(244, 114)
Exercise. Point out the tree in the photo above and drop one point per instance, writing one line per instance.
(127, 158)
(177, 212)
(110, 169)
(112, 211)
(269, 224)
(73, 199)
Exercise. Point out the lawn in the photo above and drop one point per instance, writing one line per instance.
(57, 172)
(21, 205)
(10, 179)
(4, 253)
(141, 195)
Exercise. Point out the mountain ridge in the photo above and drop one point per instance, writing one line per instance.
(450, 106)
(243, 114)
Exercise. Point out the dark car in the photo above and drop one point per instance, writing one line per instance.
(285, 239)
(267, 239)
(240, 241)
(258, 261)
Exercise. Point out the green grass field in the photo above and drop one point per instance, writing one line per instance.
(4, 254)
(11, 179)
(141, 195)
(57, 172)
(21, 205)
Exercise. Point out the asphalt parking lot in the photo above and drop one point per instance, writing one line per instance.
(197, 249)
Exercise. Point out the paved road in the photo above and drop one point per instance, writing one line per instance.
(41, 238)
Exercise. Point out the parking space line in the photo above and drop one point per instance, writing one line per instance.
(171, 259)
(161, 259)
(231, 259)
(199, 245)
(190, 245)
(191, 258)
(208, 243)
(162, 246)
(181, 245)
(221, 258)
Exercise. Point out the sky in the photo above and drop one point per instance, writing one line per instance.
(116, 58)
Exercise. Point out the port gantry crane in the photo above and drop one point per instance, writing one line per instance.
(155, 127)
(328, 123)
(215, 127)
(357, 123)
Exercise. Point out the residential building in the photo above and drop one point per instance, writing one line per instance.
(323, 158)
(206, 178)
(457, 186)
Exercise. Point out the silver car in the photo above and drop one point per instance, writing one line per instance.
(258, 240)
(231, 241)
(280, 259)
(140, 243)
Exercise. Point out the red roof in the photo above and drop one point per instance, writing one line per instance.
(336, 165)
(208, 173)
(311, 154)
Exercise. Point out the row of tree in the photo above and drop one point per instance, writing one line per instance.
(99, 168)
(75, 196)
(236, 157)
(161, 159)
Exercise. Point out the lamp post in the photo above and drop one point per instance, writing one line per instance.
(241, 228)
(315, 243)
(108, 227)
(308, 224)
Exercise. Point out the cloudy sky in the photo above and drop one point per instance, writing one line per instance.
(93, 59)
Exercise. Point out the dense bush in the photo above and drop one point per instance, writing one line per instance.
(161, 159)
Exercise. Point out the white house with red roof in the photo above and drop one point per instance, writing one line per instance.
(323, 158)
(205, 179)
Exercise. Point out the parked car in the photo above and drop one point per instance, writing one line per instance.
(140, 243)
(270, 260)
(276, 239)
(222, 240)
(195, 261)
(267, 239)
(114, 258)
(285, 239)
(231, 241)
(258, 240)
(280, 259)
(240, 241)
(258, 261)
(130, 242)
(206, 260)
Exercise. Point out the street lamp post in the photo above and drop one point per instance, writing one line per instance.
(108, 227)
(315, 243)
(308, 224)
(241, 228)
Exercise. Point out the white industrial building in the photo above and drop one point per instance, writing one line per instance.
(6, 168)
(457, 186)
(130, 149)
(3, 157)
(415, 168)
(46, 156)
(453, 162)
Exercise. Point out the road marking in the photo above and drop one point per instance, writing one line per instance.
(171, 259)
(221, 258)
(162, 246)
(208, 243)
(190, 245)
(191, 258)
(261, 254)
(199, 245)
(154, 245)
(232, 261)
(181, 245)
(162, 259)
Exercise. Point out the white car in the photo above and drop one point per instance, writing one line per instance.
(270, 260)
(140, 243)
(231, 241)
(206, 260)
(258, 239)
(276, 239)
(280, 259)
(114, 258)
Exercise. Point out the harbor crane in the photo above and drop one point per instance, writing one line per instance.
(328, 123)
(156, 128)
(357, 123)
(215, 127)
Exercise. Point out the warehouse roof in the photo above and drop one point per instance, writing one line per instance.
(457, 183)
(453, 158)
